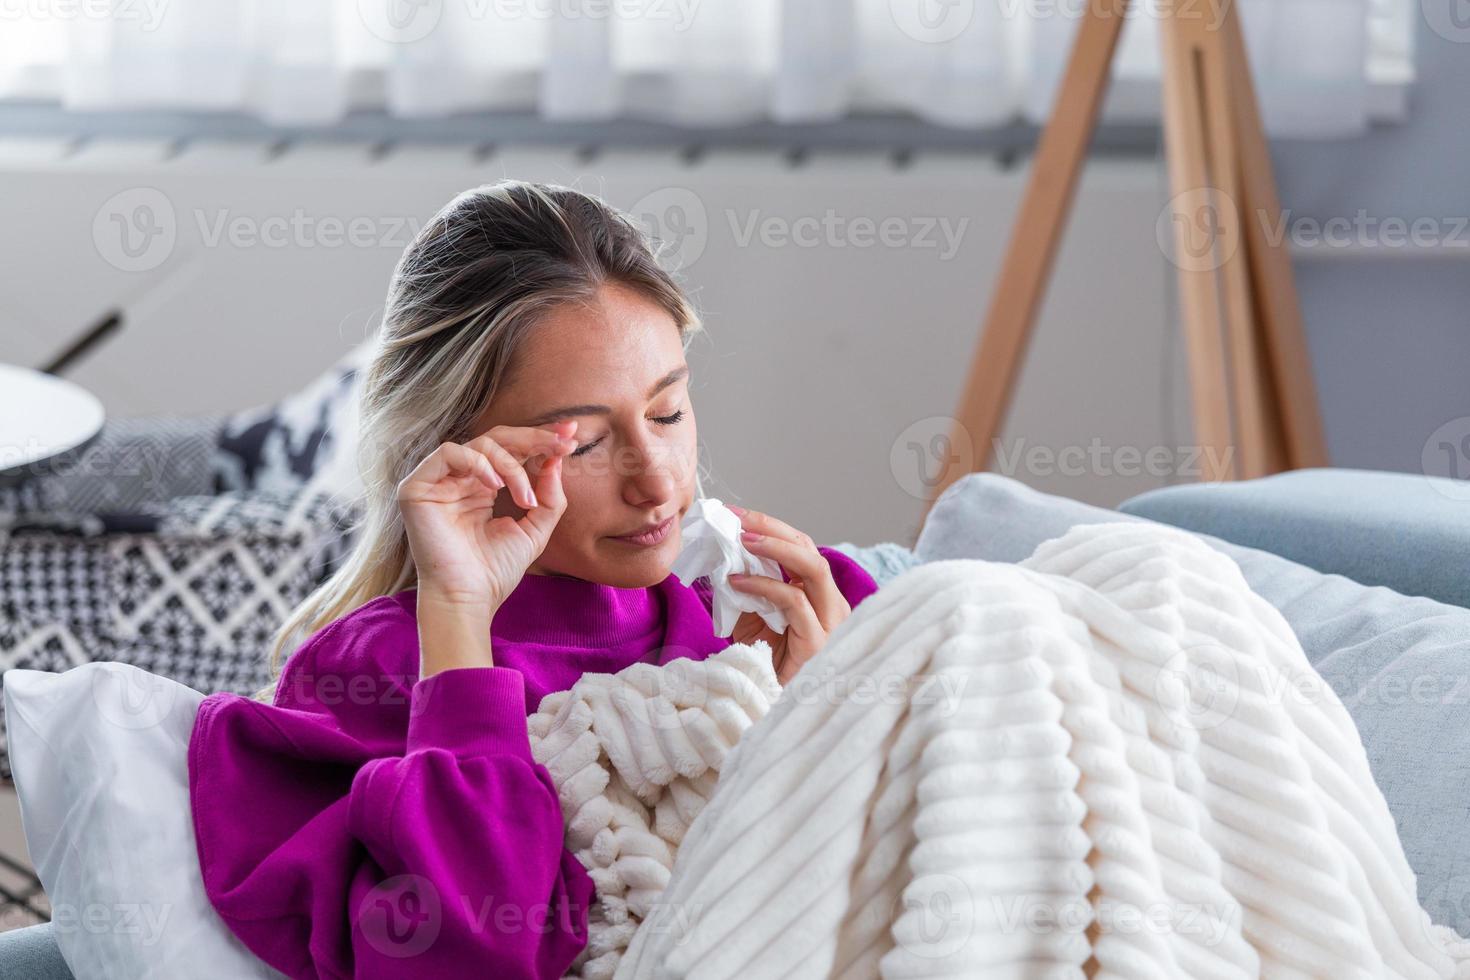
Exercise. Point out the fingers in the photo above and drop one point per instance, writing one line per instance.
(521, 443)
(525, 441)
(754, 520)
(798, 554)
(551, 497)
(814, 572)
(508, 468)
(450, 459)
(802, 625)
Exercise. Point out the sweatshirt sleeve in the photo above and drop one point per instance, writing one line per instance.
(852, 579)
(369, 824)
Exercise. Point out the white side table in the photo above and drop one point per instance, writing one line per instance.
(44, 421)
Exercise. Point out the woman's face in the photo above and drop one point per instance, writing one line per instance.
(618, 365)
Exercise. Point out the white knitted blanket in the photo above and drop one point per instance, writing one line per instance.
(1111, 760)
(635, 757)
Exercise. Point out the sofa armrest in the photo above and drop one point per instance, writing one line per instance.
(1405, 531)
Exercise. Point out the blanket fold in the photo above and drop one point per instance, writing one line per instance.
(1111, 760)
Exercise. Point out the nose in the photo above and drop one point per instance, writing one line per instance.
(652, 475)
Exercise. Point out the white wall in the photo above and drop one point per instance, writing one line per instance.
(819, 365)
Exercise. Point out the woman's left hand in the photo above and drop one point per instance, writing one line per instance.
(811, 601)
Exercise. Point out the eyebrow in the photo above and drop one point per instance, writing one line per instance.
(574, 410)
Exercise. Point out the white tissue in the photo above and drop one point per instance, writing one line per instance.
(711, 546)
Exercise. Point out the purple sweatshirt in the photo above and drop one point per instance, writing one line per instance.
(369, 824)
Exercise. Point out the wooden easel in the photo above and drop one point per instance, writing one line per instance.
(1254, 402)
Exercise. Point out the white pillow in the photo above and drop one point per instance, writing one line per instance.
(99, 755)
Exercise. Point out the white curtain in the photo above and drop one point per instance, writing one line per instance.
(967, 63)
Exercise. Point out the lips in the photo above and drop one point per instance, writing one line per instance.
(648, 534)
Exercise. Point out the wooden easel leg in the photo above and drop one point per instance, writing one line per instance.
(1283, 335)
(1205, 230)
(1277, 455)
(1242, 319)
(1254, 396)
(1016, 298)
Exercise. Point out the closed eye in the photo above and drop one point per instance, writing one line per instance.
(674, 419)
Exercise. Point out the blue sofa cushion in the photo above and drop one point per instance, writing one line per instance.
(1400, 664)
(1406, 531)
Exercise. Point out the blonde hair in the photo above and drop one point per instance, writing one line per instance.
(465, 294)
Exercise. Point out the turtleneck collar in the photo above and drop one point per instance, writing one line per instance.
(557, 610)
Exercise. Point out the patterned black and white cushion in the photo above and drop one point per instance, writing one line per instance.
(184, 568)
(191, 589)
(308, 439)
(132, 462)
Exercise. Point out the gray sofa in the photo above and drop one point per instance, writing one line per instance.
(1393, 654)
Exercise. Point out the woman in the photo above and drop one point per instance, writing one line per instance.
(529, 449)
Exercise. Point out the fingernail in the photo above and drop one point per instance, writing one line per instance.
(532, 495)
(736, 510)
(750, 536)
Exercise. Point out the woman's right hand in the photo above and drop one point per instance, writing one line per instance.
(466, 557)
